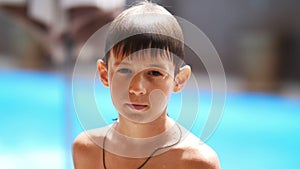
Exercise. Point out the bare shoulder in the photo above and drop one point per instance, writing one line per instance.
(83, 142)
(197, 154)
(88, 140)
(87, 150)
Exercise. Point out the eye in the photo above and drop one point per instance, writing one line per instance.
(155, 73)
(124, 70)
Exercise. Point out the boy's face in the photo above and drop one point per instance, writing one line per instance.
(140, 87)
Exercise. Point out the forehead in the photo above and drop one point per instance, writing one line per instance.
(152, 55)
(143, 61)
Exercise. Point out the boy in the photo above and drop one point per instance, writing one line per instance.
(142, 68)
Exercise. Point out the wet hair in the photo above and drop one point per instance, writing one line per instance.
(145, 26)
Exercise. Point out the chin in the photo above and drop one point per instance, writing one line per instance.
(140, 117)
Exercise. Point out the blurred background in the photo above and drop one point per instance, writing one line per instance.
(258, 43)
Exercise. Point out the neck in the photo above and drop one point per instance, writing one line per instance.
(144, 130)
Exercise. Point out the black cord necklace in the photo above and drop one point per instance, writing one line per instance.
(148, 158)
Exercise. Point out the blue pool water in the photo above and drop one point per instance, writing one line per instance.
(257, 131)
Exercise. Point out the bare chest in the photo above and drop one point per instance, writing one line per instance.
(163, 161)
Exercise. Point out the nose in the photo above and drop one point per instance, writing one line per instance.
(137, 85)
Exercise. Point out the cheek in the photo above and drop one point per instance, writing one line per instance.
(118, 94)
(157, 97)
(119, 87)
(165, 87)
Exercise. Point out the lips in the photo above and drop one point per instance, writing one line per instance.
(137, 106)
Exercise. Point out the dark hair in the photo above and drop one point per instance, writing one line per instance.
(145, 26)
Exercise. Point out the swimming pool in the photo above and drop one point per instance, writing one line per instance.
(257, 131)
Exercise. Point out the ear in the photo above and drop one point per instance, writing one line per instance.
(103, 72)
(182, 78)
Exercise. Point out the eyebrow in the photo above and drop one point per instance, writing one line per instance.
(118, 63)
(158, 66)
(121, 63)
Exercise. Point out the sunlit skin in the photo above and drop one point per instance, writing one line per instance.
(140, 89)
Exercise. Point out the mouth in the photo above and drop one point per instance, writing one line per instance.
(137, 106)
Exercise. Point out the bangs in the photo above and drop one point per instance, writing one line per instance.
(141, 45)
(140, 54)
